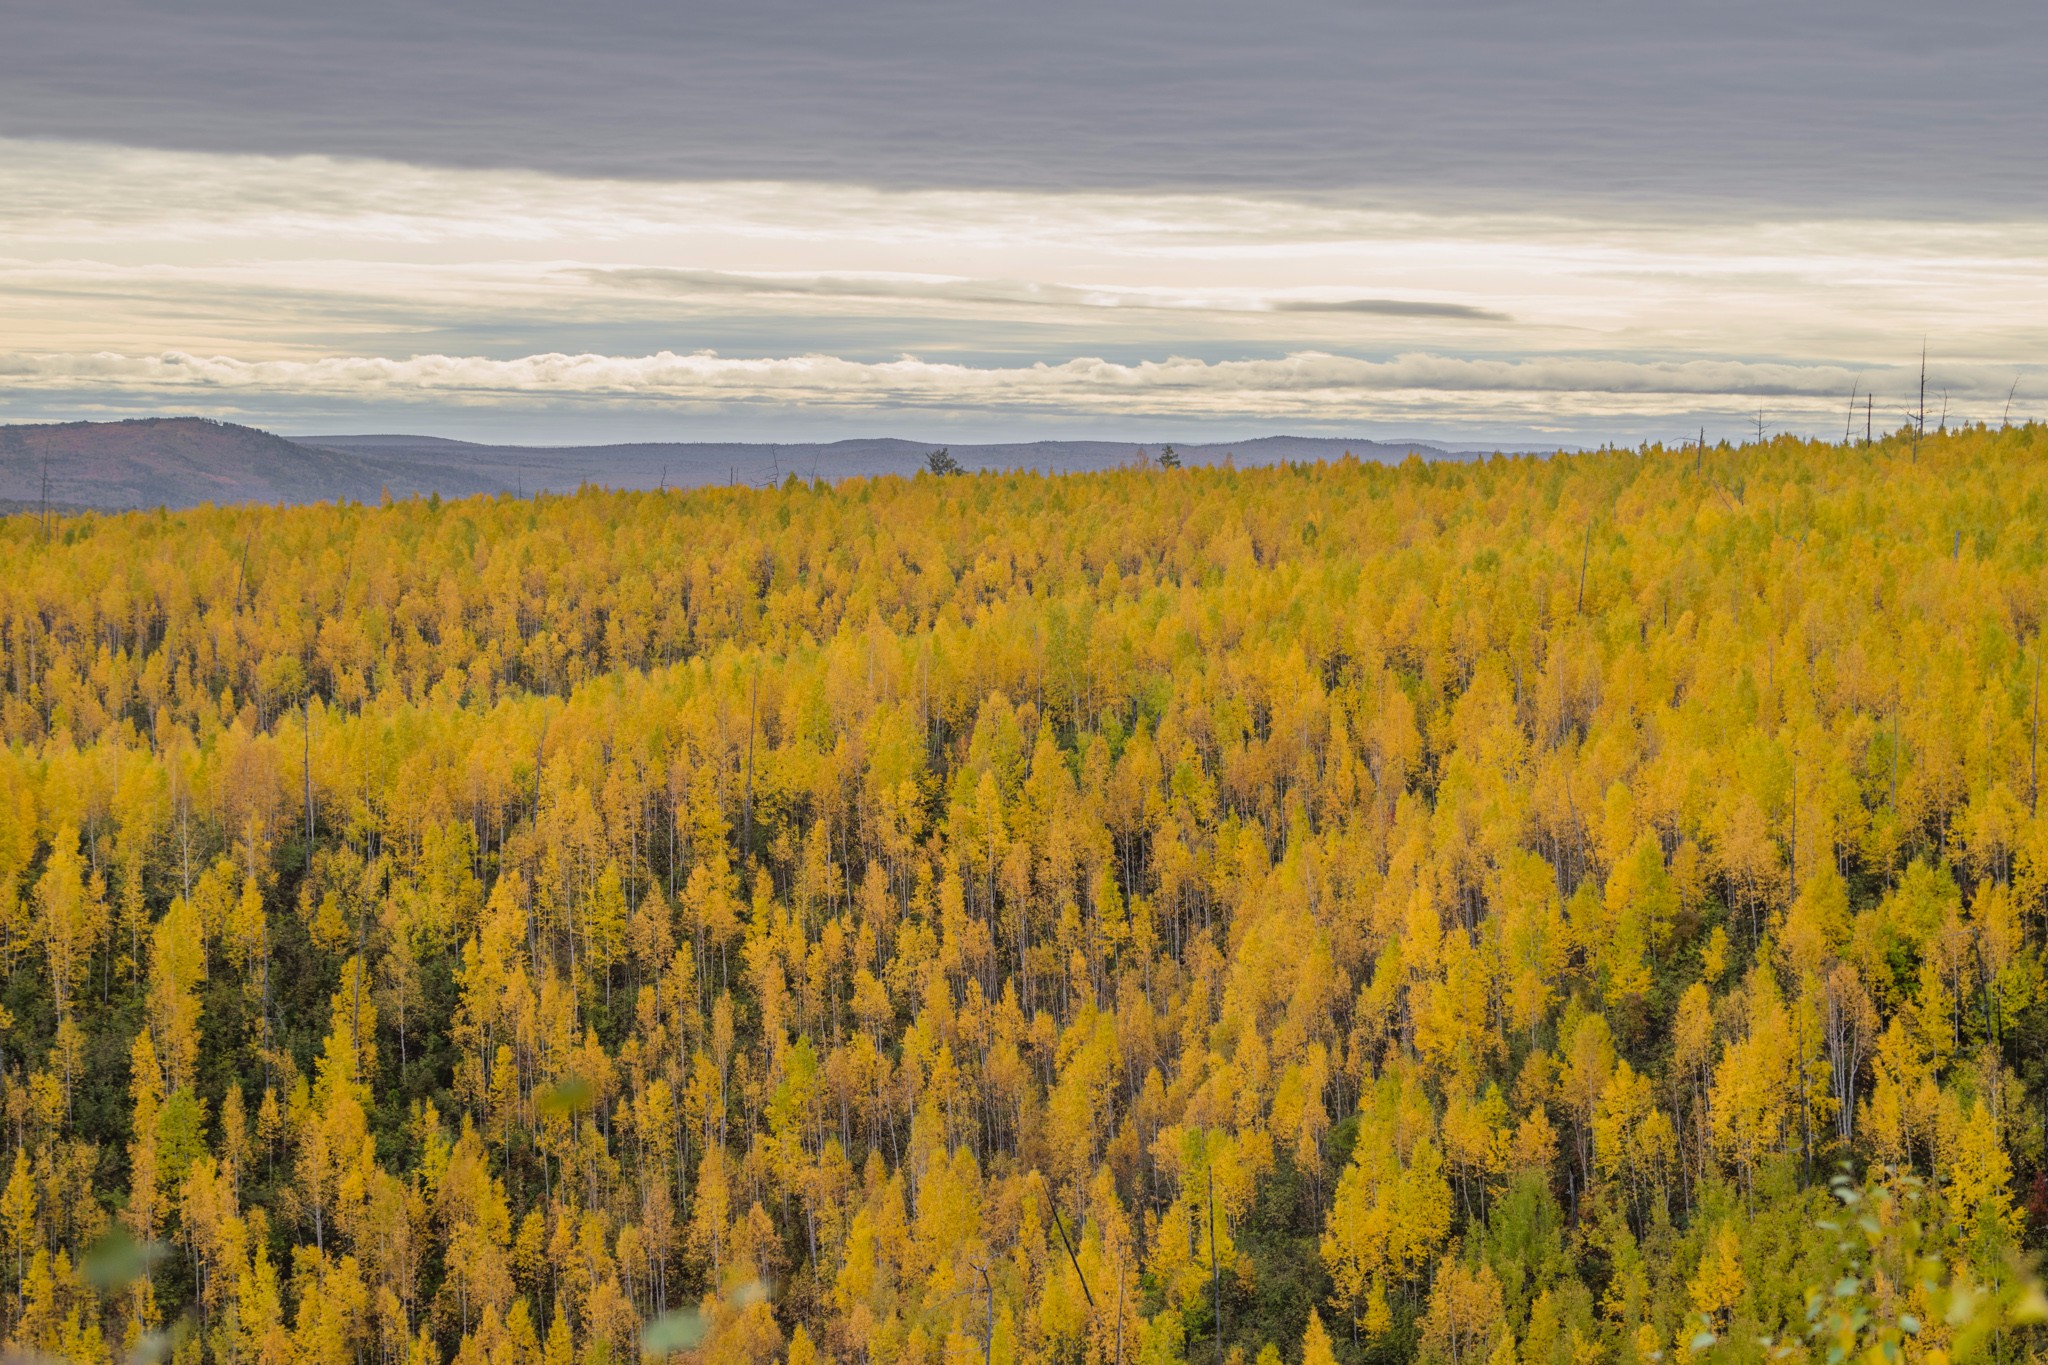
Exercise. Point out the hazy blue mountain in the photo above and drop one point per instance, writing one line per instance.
(181, 461)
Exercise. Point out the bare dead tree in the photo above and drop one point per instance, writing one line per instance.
(1851, 1026)
(1920, 413)
(1850, 424)
(2005, 418)
(1585, 556)
(1215, 1266)
(747, 803)
(1074, 1258)
(1119, 1311)
(988, 1331)
(307, 700)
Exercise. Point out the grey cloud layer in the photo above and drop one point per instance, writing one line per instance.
(1285, 384)
(666, 396)
(1883, 105)
(1003, 292)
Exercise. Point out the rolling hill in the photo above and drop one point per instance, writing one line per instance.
(185, 461)
(173, 461)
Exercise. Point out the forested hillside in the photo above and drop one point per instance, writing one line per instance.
(1584, 911)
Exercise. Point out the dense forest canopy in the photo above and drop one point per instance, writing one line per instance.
(1574, 911)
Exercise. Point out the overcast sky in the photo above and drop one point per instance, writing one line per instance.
(1499, 221)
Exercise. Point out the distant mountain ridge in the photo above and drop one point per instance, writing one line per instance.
(170, 461)
(184, 461)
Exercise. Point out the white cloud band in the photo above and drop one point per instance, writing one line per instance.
(267, 288)
(1307, 383)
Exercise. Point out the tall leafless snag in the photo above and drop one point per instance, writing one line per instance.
(307, 701)
(1851, 1026)
(988, 1331)
(1119, 1311)
(747, 802)
(1920, 413)
(1215, 1266)
(1585, 556)
(1074, 1257)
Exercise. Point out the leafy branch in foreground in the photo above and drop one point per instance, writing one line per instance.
(1905, 1294)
